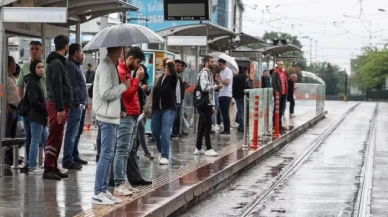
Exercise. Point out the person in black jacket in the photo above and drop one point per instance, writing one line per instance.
(238, 95)
(60, 99)
(290, 96)
(266, 80)
(163, 112)
(37, 115)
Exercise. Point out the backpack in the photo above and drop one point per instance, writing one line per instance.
(201, 99)
(248, 83)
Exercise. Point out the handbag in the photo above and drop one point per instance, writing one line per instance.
(23, 107)
(201, 99)
(148, 106)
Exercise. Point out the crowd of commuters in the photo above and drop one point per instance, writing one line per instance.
(52, 98)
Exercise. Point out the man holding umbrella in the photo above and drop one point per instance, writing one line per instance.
(107, 91)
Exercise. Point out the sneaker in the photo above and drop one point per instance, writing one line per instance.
(121, 190)
(101, 199)
(130, 188)
(149, 156)
(73, 166)
(35, 171)
(79, 160)
(225, 133)
(221, 127)
(51, 176)
(112, 198)
(163, 161)
(211, 153)
(215, 127)
(199, 152)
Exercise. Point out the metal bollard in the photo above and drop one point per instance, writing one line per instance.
(88, 118)
(15, 163)
(277, 114)
(40, 156)
(256, 116)
(246, 122)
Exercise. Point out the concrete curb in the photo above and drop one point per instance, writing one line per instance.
(191, 195)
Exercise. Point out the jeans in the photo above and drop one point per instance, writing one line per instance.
(72, 129)
(126, 135)
(141, 139)
(214, 116)
(204, 127)
(108, 141)
(292, 105)
(55, 137)
(225, 105)
(78, 137)
(39, 134)
(161, 124)
(240, 113)
(27, 131)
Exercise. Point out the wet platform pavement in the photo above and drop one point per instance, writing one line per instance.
(30, 195)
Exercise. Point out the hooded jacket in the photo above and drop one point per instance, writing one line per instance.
(58, 82)
(130, 96)
(35, 97)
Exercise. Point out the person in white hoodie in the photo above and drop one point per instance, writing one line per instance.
(107, 91)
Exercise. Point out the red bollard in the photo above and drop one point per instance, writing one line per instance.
(277, 114)
(88, 118)
(255, 142)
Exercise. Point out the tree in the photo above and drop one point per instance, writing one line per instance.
(333, 76)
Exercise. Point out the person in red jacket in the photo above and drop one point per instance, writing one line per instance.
(280, 85)
(130, 110)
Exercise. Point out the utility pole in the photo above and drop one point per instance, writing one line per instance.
(346, 87)
(311, 51)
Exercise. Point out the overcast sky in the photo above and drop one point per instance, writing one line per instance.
(341, 27)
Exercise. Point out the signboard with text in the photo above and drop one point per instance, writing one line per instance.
(186, 10)
(35, 14)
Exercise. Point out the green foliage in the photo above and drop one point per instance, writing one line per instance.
(333, 76)
(370, 70)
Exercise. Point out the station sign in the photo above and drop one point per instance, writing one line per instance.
(35, 14)
(186, 40)
(184, 10)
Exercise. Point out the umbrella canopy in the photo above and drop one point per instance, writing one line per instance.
(123, 35)
(231, 63)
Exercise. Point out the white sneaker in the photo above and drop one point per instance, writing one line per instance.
(112, 198)
(163, 161)
(102, 199)
(199, 152)
(121, 190)
(221, 127)
(211, 153)
(216, 128)
(36, 171)
(130, 188)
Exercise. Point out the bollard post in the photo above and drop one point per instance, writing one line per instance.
(256, 122)
(277, 114)
(88, 118)
(246, 121)
(15, 163)
(40, 156)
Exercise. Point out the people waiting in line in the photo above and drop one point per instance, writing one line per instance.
(36, 118)
(164, 107)
(60, 100)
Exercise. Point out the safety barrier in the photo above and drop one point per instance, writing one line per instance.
(262, 100)
(312, 92)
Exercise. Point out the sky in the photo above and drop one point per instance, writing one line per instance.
(340, 27)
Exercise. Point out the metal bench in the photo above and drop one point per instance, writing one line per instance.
(15, 144)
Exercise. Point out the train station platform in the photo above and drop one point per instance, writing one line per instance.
(181, 184)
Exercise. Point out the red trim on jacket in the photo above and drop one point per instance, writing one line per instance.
(130, 96)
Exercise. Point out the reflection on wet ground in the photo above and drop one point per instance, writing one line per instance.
(233, 199)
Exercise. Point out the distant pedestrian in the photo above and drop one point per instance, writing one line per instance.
(280, 85)
(239, 85)
(290, 96)
(89, 75)
(60, 99)
(266, 80)
(107, 104)
(226, 94)
(206, 83)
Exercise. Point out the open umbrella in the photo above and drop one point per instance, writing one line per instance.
(123, 35)
(231, 63)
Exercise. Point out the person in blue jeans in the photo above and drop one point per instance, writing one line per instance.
(36, 119)
(107, 91)
(80, 97)
(127, 130)
(225, 97)
(239, 85)
(164, 107)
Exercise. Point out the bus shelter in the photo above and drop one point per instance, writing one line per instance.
(76, 12)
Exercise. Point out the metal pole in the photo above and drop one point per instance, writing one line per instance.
(311, 51)
(103, 25)
(3, 81)
(43, 39)
(316, 51)
(246, 120)
(182, 103)
(78, 33)
(196, 75)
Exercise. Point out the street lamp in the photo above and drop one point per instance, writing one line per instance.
(381, 10)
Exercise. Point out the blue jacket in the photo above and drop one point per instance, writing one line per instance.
(77, 82)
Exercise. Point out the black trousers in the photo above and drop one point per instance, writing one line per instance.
(204, 127)
(292, 105)
(283, 104)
